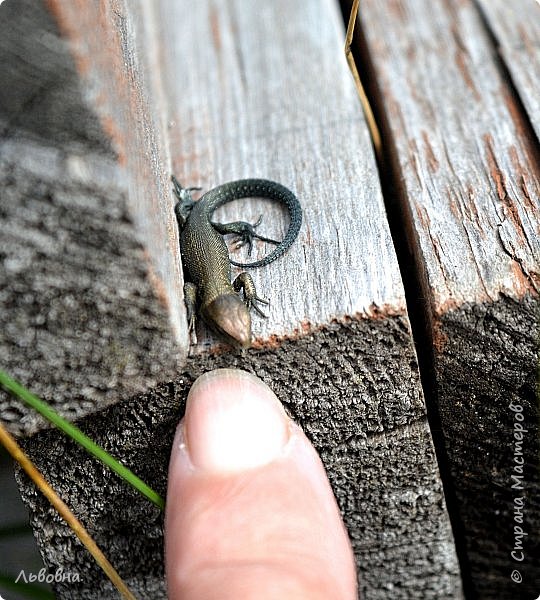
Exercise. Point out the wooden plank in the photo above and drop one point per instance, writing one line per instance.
(263, 90)
(81, 322)
(242, 105)
(465, 163)
(516, 28)
(474, 192)
(119, 69)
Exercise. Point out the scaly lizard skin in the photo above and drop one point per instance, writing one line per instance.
(209, 290)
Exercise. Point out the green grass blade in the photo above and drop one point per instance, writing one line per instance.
(76, 434)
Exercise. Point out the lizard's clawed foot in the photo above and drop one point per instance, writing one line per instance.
(245, 233)
(252, 303)
(244, 282)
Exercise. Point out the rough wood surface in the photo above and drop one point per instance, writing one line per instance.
(516, 29)
(249, 102)
(466, 164)
(263, 90)
(339, 386)
(464, 147)
(119, 67)
(487, 388)
(80, 322)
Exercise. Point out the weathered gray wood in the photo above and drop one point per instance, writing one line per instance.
(40, 91)
(255, 89)
(118, 63)
(81, 321)
(516, 28)
(243, 105)
(458, 137)
(466, 165)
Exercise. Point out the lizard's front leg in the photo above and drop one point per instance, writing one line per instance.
(244, 282)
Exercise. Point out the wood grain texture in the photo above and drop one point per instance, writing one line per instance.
(463, 147)
(268, 95)
(465, 162)
(338, 385)
(486, 373)
(119, 66)
(80, 322)
(516, 29)
(262, 90)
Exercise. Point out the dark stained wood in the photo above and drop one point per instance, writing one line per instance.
(378, 455)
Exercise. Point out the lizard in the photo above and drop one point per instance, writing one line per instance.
(208, 290)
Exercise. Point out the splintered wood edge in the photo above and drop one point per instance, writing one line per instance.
(467, 159)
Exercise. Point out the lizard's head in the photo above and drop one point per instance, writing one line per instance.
(230, 318)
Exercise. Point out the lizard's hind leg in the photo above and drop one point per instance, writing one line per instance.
(190, 300)
(244, 231)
